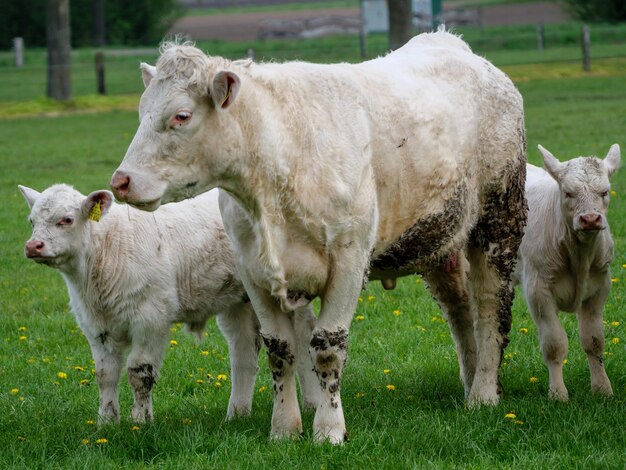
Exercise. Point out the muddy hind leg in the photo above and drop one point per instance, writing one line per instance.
(449, 286)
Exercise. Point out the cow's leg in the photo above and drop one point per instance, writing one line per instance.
(591, 332)
(240, 327)
(449, 286)
(107, 357)
(492, 254)
(552, 337)
(304, 322)
(143, 365)
(329, 343)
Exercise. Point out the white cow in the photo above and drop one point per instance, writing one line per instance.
(409, 163)
(132, 274)
(565, 257)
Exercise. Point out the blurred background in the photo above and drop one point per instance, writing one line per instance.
(67, 49)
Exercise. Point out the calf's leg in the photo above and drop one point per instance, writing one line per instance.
(591, 332)
(240, 327)
(108, 360)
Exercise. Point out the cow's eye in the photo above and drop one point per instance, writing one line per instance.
(67, 220)
(180, 118)
(568, 195)
(604, 194)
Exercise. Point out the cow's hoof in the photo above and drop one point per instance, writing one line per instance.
(334, 436)
(559, 394)
(477, 399)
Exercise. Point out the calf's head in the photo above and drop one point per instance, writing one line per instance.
(182, 128)
(59, 216)
(584, 189)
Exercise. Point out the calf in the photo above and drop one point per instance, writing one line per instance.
(131, 274)
(565, 256)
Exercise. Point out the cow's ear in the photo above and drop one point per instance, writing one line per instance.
(97, 204)
(29, 194)
(148, 72)
(225, 88)
(612, 159)
(550, 163)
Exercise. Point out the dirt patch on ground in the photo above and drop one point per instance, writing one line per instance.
(245, 26)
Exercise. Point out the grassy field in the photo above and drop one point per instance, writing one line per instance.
(402, 396)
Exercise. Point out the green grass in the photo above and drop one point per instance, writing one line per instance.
(422, 423)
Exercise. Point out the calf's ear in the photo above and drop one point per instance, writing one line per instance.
(29, 194)
(612, 159)
(148, 72)
(225, 88)
(550, 163)
(97, 204)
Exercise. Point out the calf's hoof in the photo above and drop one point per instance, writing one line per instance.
(482, 397)
(559, 394)
(604, 389)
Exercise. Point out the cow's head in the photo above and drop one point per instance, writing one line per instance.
(585, 189)
(181, 127)
(59, 216)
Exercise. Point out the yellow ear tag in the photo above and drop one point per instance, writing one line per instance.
(95, 213)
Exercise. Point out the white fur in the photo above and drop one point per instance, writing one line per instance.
(563, 267)
(132, 274)
(324, 167)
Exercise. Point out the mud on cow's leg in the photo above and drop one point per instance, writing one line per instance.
(329, 351)
(492, 253)
(142, 378)
(449, 286)
(286, 418)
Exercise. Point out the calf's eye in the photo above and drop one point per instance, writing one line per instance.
(604, 194)
(67, 220)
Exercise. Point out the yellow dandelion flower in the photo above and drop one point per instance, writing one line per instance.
(533, 380)
(21, 328)
(15, 391)
(613, 193)
(222, 377)
(391, 387)
(91, 422)
(614, 280)
(262, 389)
(173, 329)
(135, 428)
(615, 340)
(93, 371)
(218, 384)
(23, 338)
(209, 376)
(84, 382)
(206, 333)
(62, 375)
(359, 395)
(359, 318)
(173, 342)
(102, 440)
(397, 313)
(85, 442)
(615, 323)
(200, 381)
(418, 280)
(564, 361)
(360, 299)
(386, 371)
(523, 330)
(517, 421)
(370, 298)
(510, 415)
(204, 353)
(186, 421)
(79, 368)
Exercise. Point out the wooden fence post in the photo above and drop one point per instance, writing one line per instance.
(100, 76)
(541, 37)
(586, 42)
(18, 48)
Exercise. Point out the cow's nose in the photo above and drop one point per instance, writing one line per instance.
(120, 184)
(590, 221)
(33, 248)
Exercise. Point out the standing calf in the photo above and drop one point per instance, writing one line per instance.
(565, 256)
(132, 274)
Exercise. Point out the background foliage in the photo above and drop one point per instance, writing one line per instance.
(597, 10)
(136, 22)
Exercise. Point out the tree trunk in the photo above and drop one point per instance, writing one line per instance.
(99, 23)
(400, 22)
(59, 48)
